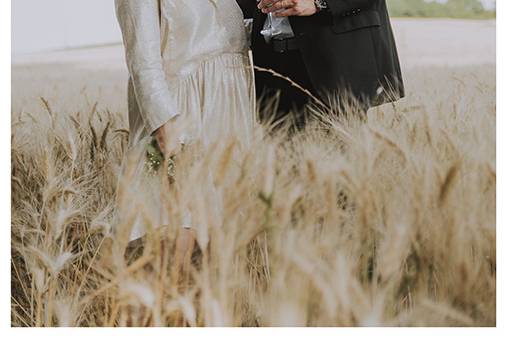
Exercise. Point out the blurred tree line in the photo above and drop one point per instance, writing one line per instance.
(469, 9)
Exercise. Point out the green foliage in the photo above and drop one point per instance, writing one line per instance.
(468, 9)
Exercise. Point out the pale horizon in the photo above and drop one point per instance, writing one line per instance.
(47, 25)
(50, 25)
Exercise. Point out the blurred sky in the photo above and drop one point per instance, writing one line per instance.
(43, 25)
(39, 25)
(489, 4)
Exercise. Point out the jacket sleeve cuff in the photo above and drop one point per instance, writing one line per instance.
(154, 124)
(158, 121)
(156, 103)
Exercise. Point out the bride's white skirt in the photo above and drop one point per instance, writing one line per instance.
(216, 100)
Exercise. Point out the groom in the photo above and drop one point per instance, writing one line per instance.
(330, 47)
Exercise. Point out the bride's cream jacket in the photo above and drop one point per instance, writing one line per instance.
(167, 41)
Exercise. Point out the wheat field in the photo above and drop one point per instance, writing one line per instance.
(385, 223)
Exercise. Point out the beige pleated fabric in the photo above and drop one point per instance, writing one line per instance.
(189, 58)
(186, 58)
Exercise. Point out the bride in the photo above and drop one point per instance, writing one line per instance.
(190, 76)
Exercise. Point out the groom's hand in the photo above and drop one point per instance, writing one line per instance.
(288, 7)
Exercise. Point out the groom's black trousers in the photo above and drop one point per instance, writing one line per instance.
(280, 100)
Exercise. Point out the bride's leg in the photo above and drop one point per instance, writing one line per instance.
(170, 146)
(185, 243)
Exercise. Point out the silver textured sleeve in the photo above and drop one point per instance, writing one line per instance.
(140, 25)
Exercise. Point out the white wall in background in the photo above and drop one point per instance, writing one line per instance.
(40, 25)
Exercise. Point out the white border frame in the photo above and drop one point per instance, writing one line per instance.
(500, 331)
(5, 152)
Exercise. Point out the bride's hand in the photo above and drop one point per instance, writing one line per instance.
(169, 137)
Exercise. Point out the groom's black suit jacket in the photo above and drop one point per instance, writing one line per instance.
(348, 47)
